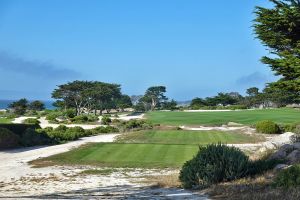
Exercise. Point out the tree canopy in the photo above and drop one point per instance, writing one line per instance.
(278, 28)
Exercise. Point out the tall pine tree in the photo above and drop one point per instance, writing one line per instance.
(279, 30)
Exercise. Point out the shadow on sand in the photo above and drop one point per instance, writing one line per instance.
(120, 192)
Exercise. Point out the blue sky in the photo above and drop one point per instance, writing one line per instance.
(193, 47)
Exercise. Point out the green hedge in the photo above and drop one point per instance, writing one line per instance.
(8, 139)
(19, 129)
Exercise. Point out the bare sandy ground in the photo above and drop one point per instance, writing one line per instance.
(18, 180)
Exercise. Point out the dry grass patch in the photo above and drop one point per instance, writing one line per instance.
(258, 188)
(164, 181)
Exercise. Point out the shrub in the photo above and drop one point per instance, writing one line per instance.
(31, 121)
(70, 113)
(61, 128)
(289, 177)
(31, 138)
(53, 115)
(267, 127)
(8, 139)
(80, 119)
(214, 164)
(106, 120)
(260, 166)
(19, 129)
(137, 125)
(93, 118)
(101, 129)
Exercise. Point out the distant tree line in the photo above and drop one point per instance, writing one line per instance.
(268, 97)
(21, 106)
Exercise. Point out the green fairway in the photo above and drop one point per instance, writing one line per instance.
(125, 155)
(186, 137)
(248, 117)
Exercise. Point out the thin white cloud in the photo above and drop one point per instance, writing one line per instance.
(34, 68)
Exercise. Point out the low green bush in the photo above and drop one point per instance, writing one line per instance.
(32, 138)
(267, 127)
(213, 164)
(136, 125)
(289, 177)
(8, 139)
(260, 166)
(31, 121)
(102, 129)
(53, 115)
(106, 120)
(19, 129)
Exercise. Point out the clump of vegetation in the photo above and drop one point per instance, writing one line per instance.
(32, 138)
(63, 134)
(214, 163)
(134, 125)
(106, 120)
(267, 127)
(101, 129)
(31, 121)
(84, 118)
(8, 139)
(289, 177)
(217, 163)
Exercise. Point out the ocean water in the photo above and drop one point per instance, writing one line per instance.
(4, 104)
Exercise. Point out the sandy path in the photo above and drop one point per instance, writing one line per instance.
(15, 165)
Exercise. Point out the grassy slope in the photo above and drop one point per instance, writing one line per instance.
(186, 137)
(248, 117)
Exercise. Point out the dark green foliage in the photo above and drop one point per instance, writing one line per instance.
(70, 113)
(19, 107)
(136, 125)
(53, 115)
(19, 129)
(101, 129)
(169, 105)
(260, 166)
(63, 134)
(278, 28)
(31, 121)
(84, 118)
(8, 139)
(106, 120)
(267, 127)
(224, 99)
(36, 106)
(289, 177)
(214, 163)
(32, 138)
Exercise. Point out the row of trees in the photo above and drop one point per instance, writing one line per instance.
(268, 97)
(90, 96)
(21, 106)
